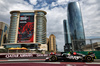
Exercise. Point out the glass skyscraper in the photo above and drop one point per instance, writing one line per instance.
(76, 26)
(68, 46)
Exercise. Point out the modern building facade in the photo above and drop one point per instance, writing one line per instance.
(4, 29)
(27, 28)
(68, 45)
(52, 43)
(76, 26)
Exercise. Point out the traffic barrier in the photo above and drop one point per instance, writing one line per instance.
(97, 53)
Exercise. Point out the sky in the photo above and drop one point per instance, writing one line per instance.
(56, 13)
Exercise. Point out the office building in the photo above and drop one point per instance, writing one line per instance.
(4, 29)
(27, 29)
(76, 26)
(47, 43)
(52, 43)
(68, 45)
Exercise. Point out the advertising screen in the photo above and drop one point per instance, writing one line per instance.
(26, 28)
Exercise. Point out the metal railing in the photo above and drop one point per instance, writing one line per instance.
(89, 42)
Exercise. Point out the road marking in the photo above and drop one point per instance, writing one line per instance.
(19, 60)
(72, 62)
(36, 59)
(23, 60)
(3, 60)
(92, 62)
(49, 62)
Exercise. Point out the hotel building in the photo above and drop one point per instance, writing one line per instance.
(27, 29)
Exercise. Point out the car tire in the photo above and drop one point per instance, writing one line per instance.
(53, 58)
(46, 60)
(89, 59)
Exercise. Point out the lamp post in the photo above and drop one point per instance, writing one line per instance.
(91, 44)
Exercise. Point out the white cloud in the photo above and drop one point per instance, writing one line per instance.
(55, 16)
(91, 17)
(44, 4)
(34, 2)
(53, 4)
(10, 5)
(55, 19)
(61, 2)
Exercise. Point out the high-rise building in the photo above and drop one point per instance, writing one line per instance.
(52, 43)
(76, 26)
(68, 45)
(4, 29)
(47, 43)
(27, 28)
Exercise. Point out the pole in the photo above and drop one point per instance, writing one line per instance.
(8, 50)
(91, 44)
(72, 46)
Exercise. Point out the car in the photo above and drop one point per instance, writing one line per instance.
(71, 56)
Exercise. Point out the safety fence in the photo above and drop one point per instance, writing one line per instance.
(97, 53)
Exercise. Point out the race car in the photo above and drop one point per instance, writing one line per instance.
(71, 56)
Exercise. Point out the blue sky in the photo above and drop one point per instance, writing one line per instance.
(56, 13)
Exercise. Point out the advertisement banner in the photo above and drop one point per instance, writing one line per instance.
(26, 28)
(21, 55)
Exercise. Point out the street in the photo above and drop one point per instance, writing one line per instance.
(41, 62)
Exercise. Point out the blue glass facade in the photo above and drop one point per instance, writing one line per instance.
(76, 26)
(65, 31)
(68, 46)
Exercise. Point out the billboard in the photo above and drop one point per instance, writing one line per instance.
(26, 28)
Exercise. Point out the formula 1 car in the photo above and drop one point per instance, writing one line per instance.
(72, 56)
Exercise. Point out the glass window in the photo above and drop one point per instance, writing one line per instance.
(14, 14)
(40, 13)
(75, 24)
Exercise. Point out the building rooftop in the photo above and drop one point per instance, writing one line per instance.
(28, 11)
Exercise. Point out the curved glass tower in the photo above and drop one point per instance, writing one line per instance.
(76, 26)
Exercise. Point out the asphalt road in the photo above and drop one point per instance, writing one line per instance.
(49, 64)
(40, 61)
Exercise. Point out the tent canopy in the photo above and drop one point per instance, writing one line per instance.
(32, 49)
(23, 48)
